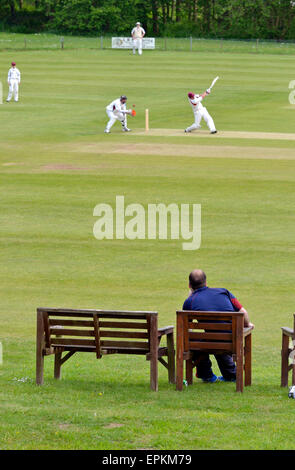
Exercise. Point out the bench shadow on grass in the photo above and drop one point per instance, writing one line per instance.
(104, 385)
(122, 385)
(110, 385)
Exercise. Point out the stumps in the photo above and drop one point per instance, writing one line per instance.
(147, 125)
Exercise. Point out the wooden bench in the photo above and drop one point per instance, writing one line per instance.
(102, 332)
(287, 335)
(202, 331)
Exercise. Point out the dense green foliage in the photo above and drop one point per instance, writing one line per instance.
(274, 19)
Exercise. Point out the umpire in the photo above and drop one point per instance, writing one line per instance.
(203, 298)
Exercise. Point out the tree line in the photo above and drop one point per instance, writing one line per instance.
(244, 19)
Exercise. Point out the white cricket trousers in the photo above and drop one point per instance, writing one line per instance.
(202, 114)
(13, 89)
(137, 43)
(116, 117)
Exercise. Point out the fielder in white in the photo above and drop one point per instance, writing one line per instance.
(13, 82)
(137, 35)
(117, 111)
(200, 112)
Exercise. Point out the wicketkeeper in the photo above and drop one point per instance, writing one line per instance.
(200, 112)
(117, 111)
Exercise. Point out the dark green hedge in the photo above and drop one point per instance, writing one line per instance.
(243, 19)
(25, 21)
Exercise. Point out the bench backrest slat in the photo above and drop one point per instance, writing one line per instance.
(210, 345)
(59, 342)
(60, 322)
(208, 326)
(210, 330)
(121, 324)
(126, 344)
(211, 336)
(123, 334)
(97, 329)
(71, 332)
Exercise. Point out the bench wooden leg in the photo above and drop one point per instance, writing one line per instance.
(154, 373)
(154, 353)
(179, 354)
(57, 365)
(248, 360)
(171, 358)
(239, 378)
(285, 360)
(40, 369)
(239, 354)
(189, 371)
(179, 373)
(240, 365)
(293, 372)
(39, 350)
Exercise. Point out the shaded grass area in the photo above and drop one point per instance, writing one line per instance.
(107, 405)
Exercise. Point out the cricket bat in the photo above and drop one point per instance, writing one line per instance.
(213, 83)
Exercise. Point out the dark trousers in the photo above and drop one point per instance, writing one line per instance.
(204, 365)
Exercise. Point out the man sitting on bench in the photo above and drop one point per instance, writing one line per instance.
(219, 300)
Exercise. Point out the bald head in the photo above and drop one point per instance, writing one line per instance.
(197, 279)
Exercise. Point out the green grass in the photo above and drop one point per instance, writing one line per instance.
(48, 41)
(50, 184)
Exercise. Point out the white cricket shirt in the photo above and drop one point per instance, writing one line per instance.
(116, 106)
(196, 103)
(138, 32)
(14, 74)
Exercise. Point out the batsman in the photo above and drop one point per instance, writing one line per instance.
(200, 112)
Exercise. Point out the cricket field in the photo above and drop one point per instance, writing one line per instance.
(57, 164)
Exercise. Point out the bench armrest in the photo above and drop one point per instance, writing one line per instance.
(287, 331)
(165, 330)
(247, 330)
